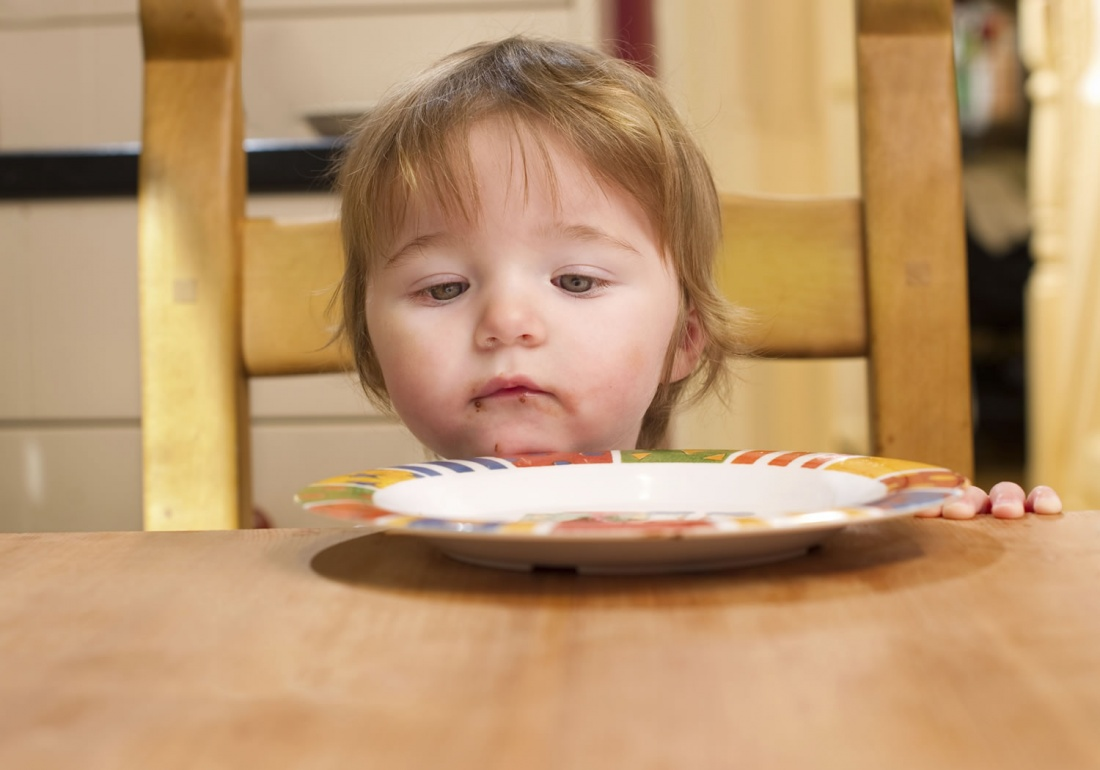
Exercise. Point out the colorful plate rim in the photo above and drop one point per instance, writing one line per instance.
(911, 487)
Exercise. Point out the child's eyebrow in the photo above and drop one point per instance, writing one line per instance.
(416, 244)
(582, 232)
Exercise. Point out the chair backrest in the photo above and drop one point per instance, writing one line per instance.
(224, 299)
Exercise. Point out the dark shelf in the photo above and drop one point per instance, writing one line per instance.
(112, 171)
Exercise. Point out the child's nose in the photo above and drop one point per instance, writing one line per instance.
(510, 319)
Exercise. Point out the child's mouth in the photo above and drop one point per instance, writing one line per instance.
(507, 390)
(513, 392)
(518, 395)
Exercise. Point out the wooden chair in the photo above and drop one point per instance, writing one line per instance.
(224, 299)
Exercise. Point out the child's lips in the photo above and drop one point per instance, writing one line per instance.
(510, 392)
(508, 388)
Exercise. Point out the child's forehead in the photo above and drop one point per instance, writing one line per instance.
(500, 159)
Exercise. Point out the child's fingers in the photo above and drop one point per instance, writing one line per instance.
(1006, 500)
(974, 500)
(1043, 500)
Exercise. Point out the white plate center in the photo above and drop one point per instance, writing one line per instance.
(629, 488)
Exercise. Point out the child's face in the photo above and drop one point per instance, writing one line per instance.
(538, 325)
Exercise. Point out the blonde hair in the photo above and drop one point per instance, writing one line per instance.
(616, 117)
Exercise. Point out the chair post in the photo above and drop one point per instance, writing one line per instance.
(190, 204)
(914, 232)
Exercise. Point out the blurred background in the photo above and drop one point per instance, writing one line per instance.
(769, 87)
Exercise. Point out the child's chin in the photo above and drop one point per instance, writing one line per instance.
(509, 440)
(514, 450)
(518, 445)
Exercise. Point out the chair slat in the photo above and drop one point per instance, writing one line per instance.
(797, 265)
(289, 317)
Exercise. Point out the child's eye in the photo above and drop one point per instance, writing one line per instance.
(442, 292)
(577, 284)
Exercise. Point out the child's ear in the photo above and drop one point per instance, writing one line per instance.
(688, 348)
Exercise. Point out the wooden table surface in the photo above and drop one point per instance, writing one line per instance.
(901, 644)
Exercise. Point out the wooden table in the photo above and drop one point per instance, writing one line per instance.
(903, 644)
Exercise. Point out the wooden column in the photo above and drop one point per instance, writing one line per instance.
(914, 228)
(191, 201)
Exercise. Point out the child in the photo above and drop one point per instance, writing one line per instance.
(530, 234)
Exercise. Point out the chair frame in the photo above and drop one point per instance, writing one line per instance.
(212, 315)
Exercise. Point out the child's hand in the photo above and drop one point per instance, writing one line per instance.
(1005, 500)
